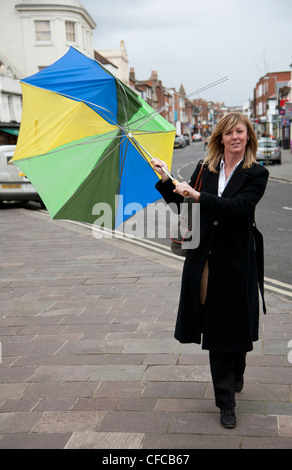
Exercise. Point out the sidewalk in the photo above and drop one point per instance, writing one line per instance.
(282, 172)
(88, 354)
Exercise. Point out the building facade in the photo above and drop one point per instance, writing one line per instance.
(118, 57)
(42, 30)
(33, 35)
(10, 106)
(269, 113)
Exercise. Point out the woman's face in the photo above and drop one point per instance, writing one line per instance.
(235, 140)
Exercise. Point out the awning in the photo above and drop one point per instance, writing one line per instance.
(10, 130)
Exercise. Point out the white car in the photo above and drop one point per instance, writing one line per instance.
(14, 186)
(197, 138)
(268, 151)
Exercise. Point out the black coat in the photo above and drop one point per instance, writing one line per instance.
(228, 238)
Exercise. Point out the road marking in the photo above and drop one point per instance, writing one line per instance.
(165, 250)
(193, 163)
(280, 291)
(279, 283)
(287, 287)
(287, 208)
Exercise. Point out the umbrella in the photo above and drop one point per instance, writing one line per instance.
(86, 139)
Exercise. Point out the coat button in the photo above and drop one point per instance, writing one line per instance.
(215, 222)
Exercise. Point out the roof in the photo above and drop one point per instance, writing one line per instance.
(103, 60)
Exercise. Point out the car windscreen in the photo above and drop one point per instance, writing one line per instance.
(267, 145)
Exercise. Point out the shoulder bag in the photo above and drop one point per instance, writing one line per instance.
(181, 233)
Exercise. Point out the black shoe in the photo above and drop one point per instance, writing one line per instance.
(239, 384)
(228, 418)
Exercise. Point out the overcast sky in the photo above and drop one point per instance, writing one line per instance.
(196, 42)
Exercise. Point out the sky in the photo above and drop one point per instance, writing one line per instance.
(197, 42)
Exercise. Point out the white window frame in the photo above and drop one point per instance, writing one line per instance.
(68, 33)
(36, 32)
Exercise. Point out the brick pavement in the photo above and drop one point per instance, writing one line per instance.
(88, 354)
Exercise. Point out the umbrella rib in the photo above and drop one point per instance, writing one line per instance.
(91, 141)
(120, 84)
(155, 112)
(124, 158)
(112, 121)
(152, 132)
(123, 103)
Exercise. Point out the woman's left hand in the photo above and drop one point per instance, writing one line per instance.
(184, 188)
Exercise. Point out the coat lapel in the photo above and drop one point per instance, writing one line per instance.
(236, 181)
(210, 181)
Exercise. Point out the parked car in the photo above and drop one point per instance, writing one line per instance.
(269, 151)
(14, 186)
(197, 138)
(187, 138)
(179, 141)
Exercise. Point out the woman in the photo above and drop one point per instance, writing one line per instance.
(229, 257)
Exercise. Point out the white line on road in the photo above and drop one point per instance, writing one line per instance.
(278, 283)
(280, 291)
(287, 208)
(156, 247)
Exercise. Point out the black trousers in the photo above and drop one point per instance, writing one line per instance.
(226, 368)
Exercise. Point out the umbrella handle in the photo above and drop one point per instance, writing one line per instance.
(175, 182)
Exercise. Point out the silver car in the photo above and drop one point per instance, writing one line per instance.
(14, 186)
(269, 151)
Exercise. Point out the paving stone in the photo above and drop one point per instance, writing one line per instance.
(121, 372)
(104, 440)
(62, 374)
(190, 441)
(10, 405)
(134, 421)
(119, 389)
(279, 408)
(266, 443)
(285, 426)
(137, 404)
(12, 391)
(174, 390)
(59, 390)
(34, 441)
(54, 404)
(176, 373)
(68, 421)
(15, 374)
(18, 422)
(99, 403)
(93, 347)
(150, 346)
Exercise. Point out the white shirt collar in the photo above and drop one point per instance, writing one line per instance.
(222, 181)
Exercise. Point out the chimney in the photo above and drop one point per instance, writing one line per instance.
(132, 74)
(154, 75)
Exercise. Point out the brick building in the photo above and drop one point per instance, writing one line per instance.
(270, 94)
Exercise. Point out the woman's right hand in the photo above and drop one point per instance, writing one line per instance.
(157, 166)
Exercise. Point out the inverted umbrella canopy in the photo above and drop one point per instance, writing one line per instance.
(86, 138)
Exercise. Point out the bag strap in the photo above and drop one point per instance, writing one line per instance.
(198, 183)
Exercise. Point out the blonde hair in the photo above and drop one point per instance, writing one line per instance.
(216, 147)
